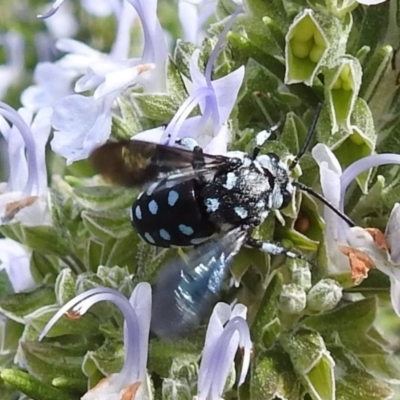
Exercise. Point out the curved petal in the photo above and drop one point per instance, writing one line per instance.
(330, 172)
(395, 295)
(197, 78)
(154, 135)
(219, 317)
(219, 143)
(370, 2)
(226, 91)
(188, 17)
(140, 301)
(15, 260)
(392, 234)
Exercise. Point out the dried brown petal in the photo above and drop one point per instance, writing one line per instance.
(16, 206)
(360, 263)
(378, 237)
(129, 393)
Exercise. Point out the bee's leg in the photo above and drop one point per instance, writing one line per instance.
(274, 249)
(262, 137)
(198, 156)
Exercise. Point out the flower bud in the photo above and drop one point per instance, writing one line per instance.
(292, 299)
(380, 81)
(324, 296)
(313, 41)
(301, 276)
(342, 85)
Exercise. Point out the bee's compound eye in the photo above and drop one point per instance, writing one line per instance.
(286, 199)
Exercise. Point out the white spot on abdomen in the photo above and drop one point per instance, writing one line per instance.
(149, 238)
(165, 234)
(138, 212)
(153, 207)
(185, 229)
(173, 197)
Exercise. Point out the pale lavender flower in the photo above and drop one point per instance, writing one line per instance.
(334, 185)
(10, 73)
(82, 123)
(386, 262)
(227, 331)
(192, 15)
(131, 382)
(216, 100)
(15, 260)
(154, 47)
(52, 83)
(24, 198)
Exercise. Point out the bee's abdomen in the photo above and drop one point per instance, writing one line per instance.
(171, 216)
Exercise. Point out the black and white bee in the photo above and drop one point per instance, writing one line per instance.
(212, 202)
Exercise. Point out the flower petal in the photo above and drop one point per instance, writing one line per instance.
(16, 261)
(219, 317)
(140, 301)
(226, 91)
(330, 172)
(81, 124)
(395, 295)
(154, 135)
(392, 234)
(370, 2)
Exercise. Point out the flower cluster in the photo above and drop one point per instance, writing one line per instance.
(76, 302)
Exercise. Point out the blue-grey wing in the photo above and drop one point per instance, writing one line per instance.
(188, 286)
(135, 163)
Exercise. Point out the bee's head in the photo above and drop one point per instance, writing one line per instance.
(279, 177)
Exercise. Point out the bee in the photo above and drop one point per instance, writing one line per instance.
(211, 202)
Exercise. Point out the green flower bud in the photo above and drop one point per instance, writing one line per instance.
(380, 83)
(340, 7)
(313, 41)
(65, 286)
(342, 84)
(302, 277)
(292, 299)
(324, 296)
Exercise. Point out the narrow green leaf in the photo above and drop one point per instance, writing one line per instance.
(32, 387)
(20, 305)
(46, 361)
(105, 225)
(267, 309)
(104, 198)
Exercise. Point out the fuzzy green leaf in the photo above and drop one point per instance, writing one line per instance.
(32, 387)
(20, 305)
(273, 376)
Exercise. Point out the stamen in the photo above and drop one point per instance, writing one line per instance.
(53, 9)
(9, 113)
(364, 164)
(217, 48)
(173, 128)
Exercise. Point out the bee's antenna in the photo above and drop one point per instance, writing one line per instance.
(309, 137)
(321, 198)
